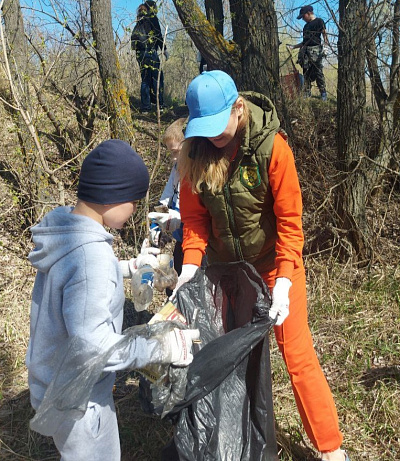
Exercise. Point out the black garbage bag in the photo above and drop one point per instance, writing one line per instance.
(227, 412)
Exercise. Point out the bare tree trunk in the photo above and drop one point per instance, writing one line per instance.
(351, 97)
(388, 101)
(218, 52)
(28, 181)
(18, 61)
(362, 170)
(396, 118)
(255, 30)
(114, 89)
(252, 57)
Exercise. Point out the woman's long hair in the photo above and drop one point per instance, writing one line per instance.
(201, 162)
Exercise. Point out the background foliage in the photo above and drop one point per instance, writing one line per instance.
(354, 309)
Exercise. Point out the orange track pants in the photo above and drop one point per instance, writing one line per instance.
(311, 390)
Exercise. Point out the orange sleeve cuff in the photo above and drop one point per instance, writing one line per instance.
(285, 269)
(193, 256)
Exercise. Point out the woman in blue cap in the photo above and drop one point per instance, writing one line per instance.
(241, 200)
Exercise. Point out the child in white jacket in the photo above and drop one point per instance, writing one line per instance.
(168, 220)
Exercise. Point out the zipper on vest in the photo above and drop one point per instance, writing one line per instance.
(232, 224)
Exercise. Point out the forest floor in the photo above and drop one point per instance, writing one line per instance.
(353, 313)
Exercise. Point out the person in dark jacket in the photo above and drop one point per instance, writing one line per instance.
(146, 40)
(312, 50)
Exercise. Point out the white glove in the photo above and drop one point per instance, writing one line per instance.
(167, 221)
(325, 51)
(280, 300)
(147, 260)
(188, 271)
(149, 250)
(176, 346)
(166, 55)
(128, 267)
(158, 238)
(155, 234)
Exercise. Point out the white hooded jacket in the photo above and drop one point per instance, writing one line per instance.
(78, 292)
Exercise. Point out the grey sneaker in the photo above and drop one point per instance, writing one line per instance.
(324, 98)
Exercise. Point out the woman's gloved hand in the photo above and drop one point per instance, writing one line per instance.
(176, 346)
(188, 271)
(167, 221)
(280, 300)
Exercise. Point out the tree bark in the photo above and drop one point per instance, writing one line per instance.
(387, 98)
(218, 52)
(215, 14)
(29, 184)
(18, 61)
(255, 30)
(116, 97)
(351, 97)
(252, 57)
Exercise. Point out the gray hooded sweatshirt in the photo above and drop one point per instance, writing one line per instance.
(78, 291)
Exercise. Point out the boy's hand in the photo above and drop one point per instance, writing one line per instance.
(166, 221)
(128, 267)
(147, 260)
(149, 250)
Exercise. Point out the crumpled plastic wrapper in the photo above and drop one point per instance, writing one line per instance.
(79, 365)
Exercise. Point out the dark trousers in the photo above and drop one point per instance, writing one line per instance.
(178, 261)
(312, 69)
(149, 71)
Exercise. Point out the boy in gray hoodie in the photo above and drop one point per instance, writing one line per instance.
(78, 292)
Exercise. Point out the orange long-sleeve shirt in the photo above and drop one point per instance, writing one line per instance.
(286, 191)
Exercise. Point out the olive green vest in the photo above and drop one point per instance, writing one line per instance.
(243, 220)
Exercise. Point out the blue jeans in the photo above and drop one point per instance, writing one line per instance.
(149, 70)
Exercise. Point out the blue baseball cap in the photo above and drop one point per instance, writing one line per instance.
(210, 97)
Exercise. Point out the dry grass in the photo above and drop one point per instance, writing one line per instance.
(354, 316)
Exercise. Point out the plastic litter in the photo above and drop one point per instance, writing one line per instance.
(165, 275)
(142, 286)
(78, 366)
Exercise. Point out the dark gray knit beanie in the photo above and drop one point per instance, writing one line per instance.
(113, 173)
